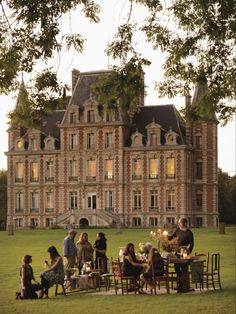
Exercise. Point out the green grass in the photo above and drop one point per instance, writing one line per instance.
(36, 242)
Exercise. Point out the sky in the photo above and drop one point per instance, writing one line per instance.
(94, 58)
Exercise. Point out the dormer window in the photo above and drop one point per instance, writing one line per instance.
(137, 139)
(49, 143)
(72, 117)
(20, 144)
(90, 116)
(33, 144)
(153, 134)
(153, 139)
(171, 137)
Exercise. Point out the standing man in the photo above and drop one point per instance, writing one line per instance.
(185, 238)
(69, 251)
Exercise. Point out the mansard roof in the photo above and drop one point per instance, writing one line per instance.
(50, 123)
(165, 115)
(82, 92)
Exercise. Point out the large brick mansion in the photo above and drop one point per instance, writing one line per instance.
(85, 166)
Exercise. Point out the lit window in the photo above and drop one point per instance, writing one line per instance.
(20, 144)
(153, 168)
(137, 169)
(170, 167)
(91, 168)
(19, 172)
(34, 171)
(49, 202)
(109, 169)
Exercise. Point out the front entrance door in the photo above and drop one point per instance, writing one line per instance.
(91, 201)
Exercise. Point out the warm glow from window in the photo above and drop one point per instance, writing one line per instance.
(91, 168)
(153, 167)
(49, 200)
(137, 167)
(170, 167)
(34, 170)
(19, 170)
(109, 168)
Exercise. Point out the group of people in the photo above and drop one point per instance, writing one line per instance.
(74, 255)
(77, 254)
(144, 270)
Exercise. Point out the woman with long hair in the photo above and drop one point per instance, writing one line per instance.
(155, 267)
(55, 272)
(84, 250)
(100, 247)
(131, 265)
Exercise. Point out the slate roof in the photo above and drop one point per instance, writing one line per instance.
(82, 91)
(165, 115)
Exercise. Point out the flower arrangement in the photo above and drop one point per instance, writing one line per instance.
(161, 236)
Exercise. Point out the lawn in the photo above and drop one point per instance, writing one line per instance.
(36, 242)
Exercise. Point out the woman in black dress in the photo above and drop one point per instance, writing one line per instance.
(100, 247)
(131, 265)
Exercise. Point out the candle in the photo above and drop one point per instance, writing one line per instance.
(165, 233)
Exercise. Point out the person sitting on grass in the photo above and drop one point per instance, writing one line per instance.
(155, 268)
(28, 290)
(54, 274)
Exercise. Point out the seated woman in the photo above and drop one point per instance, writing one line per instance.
(54, 274)
(28, 290)
(155, 267)
(131, 265)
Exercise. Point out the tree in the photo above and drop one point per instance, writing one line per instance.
(198, 39)
(3, 199)
(226, 197)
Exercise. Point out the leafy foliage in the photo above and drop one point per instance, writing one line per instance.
(198, 38)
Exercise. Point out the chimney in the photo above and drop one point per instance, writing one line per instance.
(189, 139)
(75, 75)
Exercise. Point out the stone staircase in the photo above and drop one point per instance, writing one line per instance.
(106, 217)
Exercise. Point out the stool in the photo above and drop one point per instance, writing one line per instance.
(63, 289)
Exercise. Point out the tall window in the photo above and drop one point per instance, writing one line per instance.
(19, 202)
(199, 170)
(19, 172)
(153, 221)
(73, 200)
(170, 168)
(108, 140)
(108, 117)
(137, 169)
(34, 222)
(48, 222)
(72, 170)
(198, 142)
(153, 200)
(91, 116)
(153, 139)
(34, 171)
(153, 168)
(199, 201)
(90, 141)
(72, 141)
(18, 222)
(91, 168)
(137, 201)
(170, 200)
(109, 169)
(109, 200)
(170, 220)
(136, 222)
(34, 201)
(49, 171)
(49, 202)
(72, 117)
